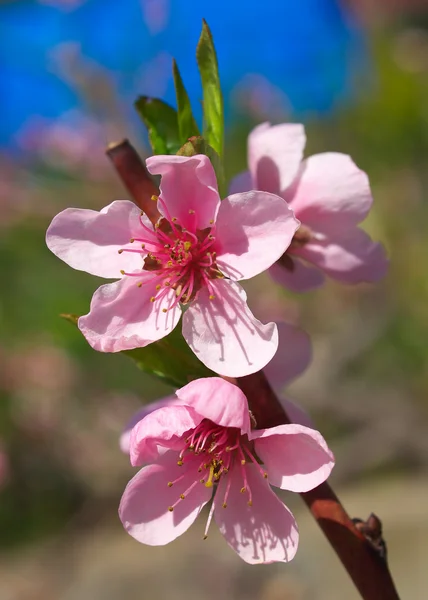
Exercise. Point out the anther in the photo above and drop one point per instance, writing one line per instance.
(224, 505)
(243, 490)
(158, 287)
(170, 484)
(205, 537)
(243, 461)
(201, 480)
(174, 219)
(122, 271)
(140, 284)
(164, 310)
(265, 475)
(154, 198)
(120, 251)
(143, 246)
(250, 503)
(131, 241)
(152, 299)
(179, 463)
(191, 211)
(211, 297)
(170, 508)
(211, 221)
(182, 496)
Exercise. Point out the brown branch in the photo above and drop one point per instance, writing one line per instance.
(366, 567)
(368, 570)
(134, 176)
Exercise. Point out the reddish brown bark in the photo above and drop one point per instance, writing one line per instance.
(134, 176)
(367, 569)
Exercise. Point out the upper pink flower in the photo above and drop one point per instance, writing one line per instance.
(194, 256)
(206, 448)
(329, 194)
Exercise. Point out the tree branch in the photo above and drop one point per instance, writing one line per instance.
(367, 569)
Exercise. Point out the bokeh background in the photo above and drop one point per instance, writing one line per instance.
(356, 73)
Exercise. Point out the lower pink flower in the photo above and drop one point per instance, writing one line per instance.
(207, 449)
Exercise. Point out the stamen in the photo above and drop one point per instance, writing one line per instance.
(210, 516)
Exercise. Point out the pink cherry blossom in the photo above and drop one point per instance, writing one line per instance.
(329, 194)
(291, 359)
(206, 449)
(193, 258)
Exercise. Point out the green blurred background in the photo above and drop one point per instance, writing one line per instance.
(63, 406)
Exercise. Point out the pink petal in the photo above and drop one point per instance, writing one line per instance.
(293, 356)
(217, 400)
(225, 335)
(187, 184)
(262, 533)
(275, 154)
(331, 192)
(164, 427)
(296, 413)
(144, 506)
(253, 230)
(123, 317)
(350, 258)
(145, 410)
(241, 183)
(303, 278)
(296, 458)
(89, 241)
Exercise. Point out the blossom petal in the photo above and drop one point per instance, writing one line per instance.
(262, 533)
(242, 182)
(275, 154)
(303, 278)
(89, 241)
(296, 458)
(187, 184)
(330, 192)
(217, 400)
(253, 231)
(123, 317)
(145, 410)
(292, 358)
(225, 335)
(144, 506)
(163, 427)
(350, 258)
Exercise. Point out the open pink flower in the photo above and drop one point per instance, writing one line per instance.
(193, 257)
(329, 194)
(206, 448)
(292, 358)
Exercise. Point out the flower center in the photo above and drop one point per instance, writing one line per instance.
(178, 258)
(215, 450)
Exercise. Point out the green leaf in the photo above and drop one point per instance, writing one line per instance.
(198, 145)
(212, 96)
(161, 121)
(170, 359)
(187, 125)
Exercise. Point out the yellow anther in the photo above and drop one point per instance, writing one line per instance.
(170, 484)
(265, 475)
(209, 483)
(243, 490)
(131, 241)
(211, 296)
(170, 508)
(119, 251)
(158, 287)
(174, 219)
(250, 503)
(164, 310)
(182, 496)
(205, 537)
(122, 271)
(211, 221)
(191, 211)
(179, 290)
(143, 246)
(152, 299)
(201, 480)
(140, 284)
(170, 263)
(187, 246)
(179, 462)
(243, 461)
(155, 198)
(224, 505)
(167, 284)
